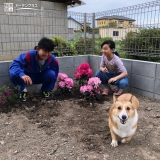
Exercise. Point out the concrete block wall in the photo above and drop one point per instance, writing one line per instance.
(67, 65)
(20, 32)
(144, 77)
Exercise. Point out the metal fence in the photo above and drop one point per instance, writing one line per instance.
(135, 30)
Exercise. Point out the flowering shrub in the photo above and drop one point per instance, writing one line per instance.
(65, 84)
(91, 90)
(7, 95)
(83, 73)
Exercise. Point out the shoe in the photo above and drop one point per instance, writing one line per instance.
(106, 92)
(23, 96)
(46, 94)
(118, 92)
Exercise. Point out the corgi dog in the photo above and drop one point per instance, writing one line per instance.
(123, 118)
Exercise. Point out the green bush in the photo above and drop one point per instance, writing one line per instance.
(144, 43)
(74, 47)
(62, 47)
(79, 45)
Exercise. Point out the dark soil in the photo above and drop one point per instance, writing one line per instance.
(71, 128)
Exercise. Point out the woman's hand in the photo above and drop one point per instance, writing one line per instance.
(104, 69)
(27, 79)
(112, 80)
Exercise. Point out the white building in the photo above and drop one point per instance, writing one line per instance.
(116, 33)
(74, 24)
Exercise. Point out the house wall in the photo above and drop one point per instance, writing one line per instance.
(144, 77)
(74, 25)
(21, 30)
(108, 32)
(104, 22)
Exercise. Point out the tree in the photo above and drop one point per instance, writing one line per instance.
(112, 25)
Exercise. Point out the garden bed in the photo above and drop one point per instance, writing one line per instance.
(69, 127)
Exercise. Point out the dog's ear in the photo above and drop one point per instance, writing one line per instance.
(134, 102)
(114, 99)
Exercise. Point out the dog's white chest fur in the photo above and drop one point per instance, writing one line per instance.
(125, 130)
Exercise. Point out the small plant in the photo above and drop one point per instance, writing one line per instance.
(65, 84)
(7, 95)
(91, 90)
(83, 73)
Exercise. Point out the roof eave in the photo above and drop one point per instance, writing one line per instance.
(68, 2)
(115, 18)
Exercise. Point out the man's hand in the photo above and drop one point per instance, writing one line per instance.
(27, 79)
(112, 80)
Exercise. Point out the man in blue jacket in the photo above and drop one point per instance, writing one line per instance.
(35, 67)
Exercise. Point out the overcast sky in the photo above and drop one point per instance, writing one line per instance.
(92, 6)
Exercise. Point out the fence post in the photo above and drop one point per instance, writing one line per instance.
(84, 33)
(93, 32)
(42, 21)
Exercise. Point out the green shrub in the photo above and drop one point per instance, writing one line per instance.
(62, 47)
(144, 43)
(79, 45)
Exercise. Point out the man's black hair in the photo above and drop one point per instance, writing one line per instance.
(46, 44)
(35, 48)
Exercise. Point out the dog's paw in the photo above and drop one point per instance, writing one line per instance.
(123, 141)
(114, 143)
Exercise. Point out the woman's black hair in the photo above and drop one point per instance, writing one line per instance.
(111, 46)
(46, 44)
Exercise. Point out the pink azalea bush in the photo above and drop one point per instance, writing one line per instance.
(83, 73)
(64, 84)
(91, 90)
(7, 95)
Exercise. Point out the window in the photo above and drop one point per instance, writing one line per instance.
(120, 22)
(115, 33)
(130, 22)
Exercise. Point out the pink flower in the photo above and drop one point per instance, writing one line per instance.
(69, 83)
(97, 91)
(84, 66)
(62, 76)
(83, 89)
(8, 92)
(94, 81)
(92, 88)
(86, 88)
(64, 82)
(89, 88)
(91, 93)
(78, 73)
(4, 100)
(89, 73)
(61, 84)
(82, 71)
